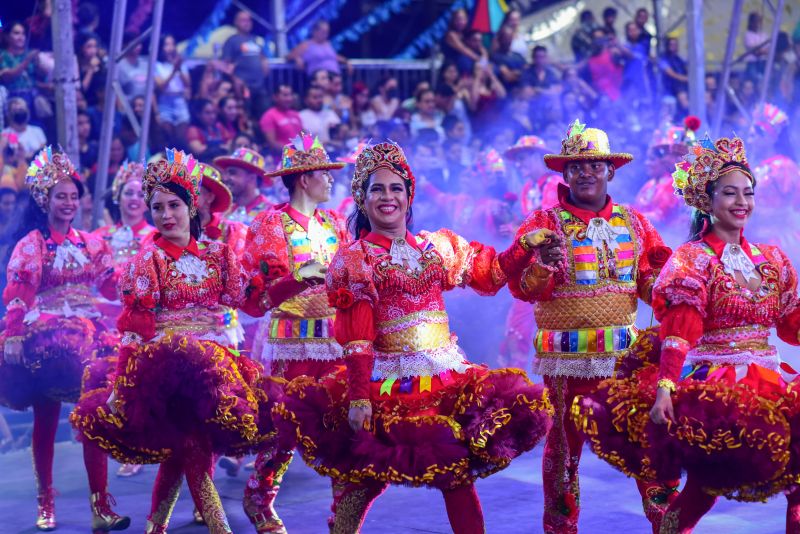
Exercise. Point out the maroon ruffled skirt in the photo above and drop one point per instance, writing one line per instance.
(739, 438)
(174, 391)
(55, 351)
(444, 438)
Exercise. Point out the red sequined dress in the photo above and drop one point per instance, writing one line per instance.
(438, 420)
(178, 379)
(52, 280)
(737, 414)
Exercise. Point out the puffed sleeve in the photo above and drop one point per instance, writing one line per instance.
(680, 298)
(536, 280)
(106, 277)
(234, 278)
(788, 326)
(236, 237)
(474, 264)
(352, 292)
(24, 278)
(140, 290)
(266, 261)
(652, 255)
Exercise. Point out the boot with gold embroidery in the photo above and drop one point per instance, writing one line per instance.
(46, 516)
(104, 519)
(258, 505)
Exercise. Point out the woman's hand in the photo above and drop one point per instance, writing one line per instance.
(662, 411)
(360, 417)
(12, 351)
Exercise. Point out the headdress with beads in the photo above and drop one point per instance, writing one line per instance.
(178, 168)
(704, 164)
(304, 154)
(128, 171)
(46, 170)
(581, 144)
(386, 155)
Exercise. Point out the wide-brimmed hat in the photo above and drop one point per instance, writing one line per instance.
(212, 180)
(581, 144)
(244, 158)
(526, 143)
(305, 154)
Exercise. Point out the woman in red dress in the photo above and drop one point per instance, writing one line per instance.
(52, 327)
(181, 392)
(409, 408)
(711, 397)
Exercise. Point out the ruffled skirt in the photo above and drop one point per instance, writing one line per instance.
(55, 351)
(470, 427)
(736, 428)
(173, 391)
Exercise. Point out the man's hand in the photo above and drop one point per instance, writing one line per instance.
(312, 271)
(360, 417)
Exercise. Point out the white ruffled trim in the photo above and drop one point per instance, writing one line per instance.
(300, 351)
(589, 367)
(767, 358)
(423, 363)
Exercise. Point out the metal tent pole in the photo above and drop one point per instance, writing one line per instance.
(730, 48)
(697, 65)
(155, 37)
(65, 78)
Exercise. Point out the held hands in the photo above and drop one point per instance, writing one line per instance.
(662, 411)
(312, 272)
(360, 416)
(12, 351)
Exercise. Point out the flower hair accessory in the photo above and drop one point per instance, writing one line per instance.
(386, 155)
(46, 170)
(178, 168)
(704, 164)
(128, 171)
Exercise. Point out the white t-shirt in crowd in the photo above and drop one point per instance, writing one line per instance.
(319, 123)
(32, 139)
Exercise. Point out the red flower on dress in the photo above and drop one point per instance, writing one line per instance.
(147, 302)
(342, 298)
(658, 256)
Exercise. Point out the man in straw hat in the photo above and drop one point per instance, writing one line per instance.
(215, 201)
(584, 281)
(244, 171)
(287, 254)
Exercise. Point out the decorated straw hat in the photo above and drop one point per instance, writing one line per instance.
(581, 144)
(304, 154)
(178, 168)
(489, 162)
(244, 158)
(676, 137)
(526, 143)
(212, 180)
(770, 119)
(351, 158)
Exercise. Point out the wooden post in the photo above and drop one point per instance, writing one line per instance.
(697, 60)
(155, 37)
(65, 79)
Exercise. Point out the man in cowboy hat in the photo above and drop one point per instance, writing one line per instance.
(287, 253)
(584, 282)
(243, 172)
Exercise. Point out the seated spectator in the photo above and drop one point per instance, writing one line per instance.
(30, 138)
(426, 116)
(486, 92)
(244, 57)
(317, 53)
(635, 82)
(583, 38)
(508, 64)
(410, 103)
(645, 37)
(362, 116)
(205, 131)
(454, 44)
(518, 109)
(449, 104)
(13, 163)
(173, 88)
(90, 67)
(609, 19)
(512, 20)
(280, 123)
(583, 92)
(231, 118)
(474, 42)
(540, 75)
(86, 145)
(454, 155)
(132, 68)
(316, 119)
(88, 19)
(385, 101)
(674, 69)
(455, 130)
(19, 67)
(604, 66)
(336, 99)
(572, 107)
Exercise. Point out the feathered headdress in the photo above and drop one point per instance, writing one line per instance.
(178, 168)
(46, 170)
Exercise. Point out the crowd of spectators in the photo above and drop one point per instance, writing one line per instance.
(488, 91)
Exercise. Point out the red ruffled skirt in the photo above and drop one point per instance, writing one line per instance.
(55, 351)
(739, 437)
(470, 427)
(173, 391)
